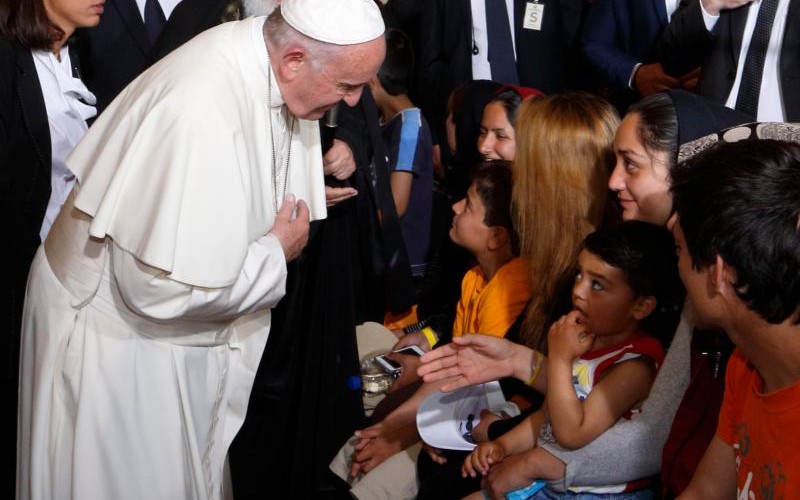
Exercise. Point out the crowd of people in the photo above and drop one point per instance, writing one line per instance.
(595, 202)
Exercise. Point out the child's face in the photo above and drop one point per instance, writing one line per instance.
(496, 140)
(468, 229)
(640, 177)
(608, 305)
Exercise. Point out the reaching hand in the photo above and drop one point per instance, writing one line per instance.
(690, 79)
(334, 195)
(482, 458)
(291, 227)
(338, 161)
(471, 359)
(650, 78)
(714, 6)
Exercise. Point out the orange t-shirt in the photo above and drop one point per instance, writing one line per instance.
(763, 430)
(491, 308)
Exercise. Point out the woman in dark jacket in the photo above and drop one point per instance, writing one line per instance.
(43, 111)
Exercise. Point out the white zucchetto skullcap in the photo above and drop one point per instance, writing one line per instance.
(340, 22)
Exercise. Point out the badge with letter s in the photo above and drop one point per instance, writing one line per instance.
(534, 12)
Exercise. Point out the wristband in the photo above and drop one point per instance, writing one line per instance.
(415, 327)
(536, 367)
(430, 336)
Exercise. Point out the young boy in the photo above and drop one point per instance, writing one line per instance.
(603, 356)
(738, 240)
(409, 145)
(494, 293)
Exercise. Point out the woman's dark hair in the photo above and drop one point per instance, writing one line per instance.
(27, 22)
(466, 104)
(510, 100)
(493, 184)
(658, 124)
(645, 253)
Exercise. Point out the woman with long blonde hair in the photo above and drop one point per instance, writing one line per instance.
(563, 159)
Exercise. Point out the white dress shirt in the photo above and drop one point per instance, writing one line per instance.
(481, 70)
(69, 104)
(770, 101)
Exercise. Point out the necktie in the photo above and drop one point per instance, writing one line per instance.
(753, 69)
(154, 19)
(501, 48)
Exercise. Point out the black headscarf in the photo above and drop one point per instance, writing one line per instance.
(698, 116)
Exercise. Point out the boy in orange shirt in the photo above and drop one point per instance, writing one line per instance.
(738, 238)
(493, 294)
(495, 291)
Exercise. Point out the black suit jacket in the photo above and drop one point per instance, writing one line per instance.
(25, 151)
(117, 50)
(25, 165)
(687, 44)
(542, 56)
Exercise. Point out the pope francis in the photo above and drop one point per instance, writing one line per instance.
(148, 307)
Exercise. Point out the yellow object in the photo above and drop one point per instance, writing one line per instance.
(536, 367)
(430, 336)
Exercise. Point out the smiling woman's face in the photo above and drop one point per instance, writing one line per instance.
(496, 140)
(641, 176)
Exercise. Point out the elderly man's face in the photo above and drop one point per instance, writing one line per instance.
(319, 87)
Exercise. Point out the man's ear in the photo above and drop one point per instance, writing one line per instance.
(290, 62)
(722, 277)
(644, 306)
(498, 239)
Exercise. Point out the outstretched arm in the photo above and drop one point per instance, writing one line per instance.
(476, 358)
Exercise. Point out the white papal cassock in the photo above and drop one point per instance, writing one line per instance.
(148, 305)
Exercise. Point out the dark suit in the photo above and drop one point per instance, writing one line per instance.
(543, 56)
(117, 50)
(687, 44)
(25, 164)
(618, 34)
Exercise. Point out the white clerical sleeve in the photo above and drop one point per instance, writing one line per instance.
(150, 292)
